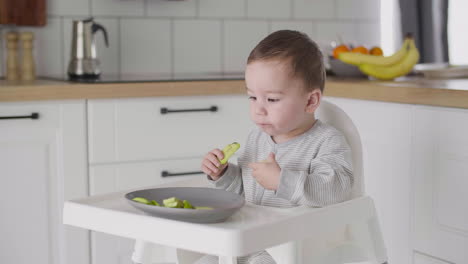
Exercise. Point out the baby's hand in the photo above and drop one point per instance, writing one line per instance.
(267, 172)
(211, 165)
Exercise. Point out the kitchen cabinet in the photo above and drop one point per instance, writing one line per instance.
(43, 163)
(440, 181)
(385, 130)
(23, 12)
(140, 129)
(415, 168)
(138, 143)
(389, 133)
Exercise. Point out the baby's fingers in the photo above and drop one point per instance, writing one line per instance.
(207, 170)
(218, 153)
(215, 157)
(208, 164)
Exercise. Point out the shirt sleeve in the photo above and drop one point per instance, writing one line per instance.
(231, 180)
(328, 181)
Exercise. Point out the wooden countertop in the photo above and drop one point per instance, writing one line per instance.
(448, 93)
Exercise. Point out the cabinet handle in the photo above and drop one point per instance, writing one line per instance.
(168, 174)
(165, 110)
(32, 116)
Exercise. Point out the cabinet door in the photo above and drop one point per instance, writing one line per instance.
(385, 130)
(136, 129)
(35, 157)
(440, 183)
(108, 249)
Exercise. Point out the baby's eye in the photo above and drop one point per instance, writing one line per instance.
(272, 100)
(252, 98)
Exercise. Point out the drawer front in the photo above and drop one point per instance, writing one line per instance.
(147, 129)
(120, 177)
(29, 117)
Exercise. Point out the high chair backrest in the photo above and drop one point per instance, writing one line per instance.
(336, 117)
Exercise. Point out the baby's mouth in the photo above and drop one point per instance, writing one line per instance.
(263, 124)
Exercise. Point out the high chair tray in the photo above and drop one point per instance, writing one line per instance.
(250, 229)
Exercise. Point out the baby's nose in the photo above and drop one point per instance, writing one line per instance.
(260, 110)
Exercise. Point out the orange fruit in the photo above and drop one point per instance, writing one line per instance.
(360, 49)
(339, 49)
(376, 51)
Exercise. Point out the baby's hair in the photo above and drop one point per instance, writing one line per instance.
(297, 49)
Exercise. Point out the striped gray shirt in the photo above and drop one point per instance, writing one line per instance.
(316, 169)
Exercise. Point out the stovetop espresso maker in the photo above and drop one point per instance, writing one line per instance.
(84, 62)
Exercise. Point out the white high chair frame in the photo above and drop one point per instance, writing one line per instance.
(347, 232)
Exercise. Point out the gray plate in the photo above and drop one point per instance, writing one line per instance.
(224, 203)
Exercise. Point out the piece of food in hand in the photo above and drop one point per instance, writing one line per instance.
(228, 151)
(173, 202)
(142, 200)
(188, 205)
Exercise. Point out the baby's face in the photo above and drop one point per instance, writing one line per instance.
(277, 100)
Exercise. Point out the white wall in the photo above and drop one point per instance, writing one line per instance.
(149, 36)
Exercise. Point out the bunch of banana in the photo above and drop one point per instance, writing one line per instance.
(385, 68)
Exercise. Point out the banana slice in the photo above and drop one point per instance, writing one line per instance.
(228, 151)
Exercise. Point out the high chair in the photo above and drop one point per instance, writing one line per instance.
(346, 232)
(357, 239)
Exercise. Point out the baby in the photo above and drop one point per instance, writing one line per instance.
(290, 158)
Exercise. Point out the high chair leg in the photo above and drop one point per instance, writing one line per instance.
(370, 240)
(187, 257)
(290, 252)
(227, 260)
(150, 253)
(142, 252)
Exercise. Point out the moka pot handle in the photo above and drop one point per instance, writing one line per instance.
(95, 27)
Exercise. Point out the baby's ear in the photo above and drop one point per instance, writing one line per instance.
(313, 100)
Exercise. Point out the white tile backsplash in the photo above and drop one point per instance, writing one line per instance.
(117, 7)
(108, 56)
(269, 8)
(358, 9)
(68, 7)
(222, 8)
(303, 26)
(315, 9)
(164, 8)
(337, 31)
(48, 48)
(368, 34)
(194, 35)
(240, 37)
(145, 45)
(197, 46)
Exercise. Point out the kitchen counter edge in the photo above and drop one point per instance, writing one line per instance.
(433, 93)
